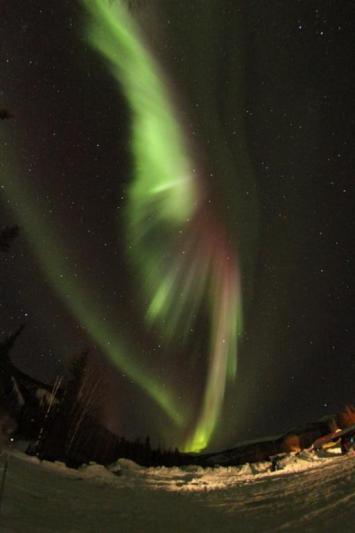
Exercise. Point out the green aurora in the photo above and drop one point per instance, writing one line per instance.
(176, 242)
(181, 256)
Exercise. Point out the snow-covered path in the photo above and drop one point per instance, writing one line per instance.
(307, 496)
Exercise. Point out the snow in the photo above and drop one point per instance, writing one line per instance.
(311, 493)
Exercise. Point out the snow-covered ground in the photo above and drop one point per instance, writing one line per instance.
(309, 494)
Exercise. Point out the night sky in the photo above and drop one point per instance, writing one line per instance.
(264, 92)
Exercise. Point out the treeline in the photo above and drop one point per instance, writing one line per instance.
(70, 431)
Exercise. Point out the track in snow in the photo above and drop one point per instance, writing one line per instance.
(308, 496)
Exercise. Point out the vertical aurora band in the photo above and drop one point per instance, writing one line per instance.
(176, 243)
